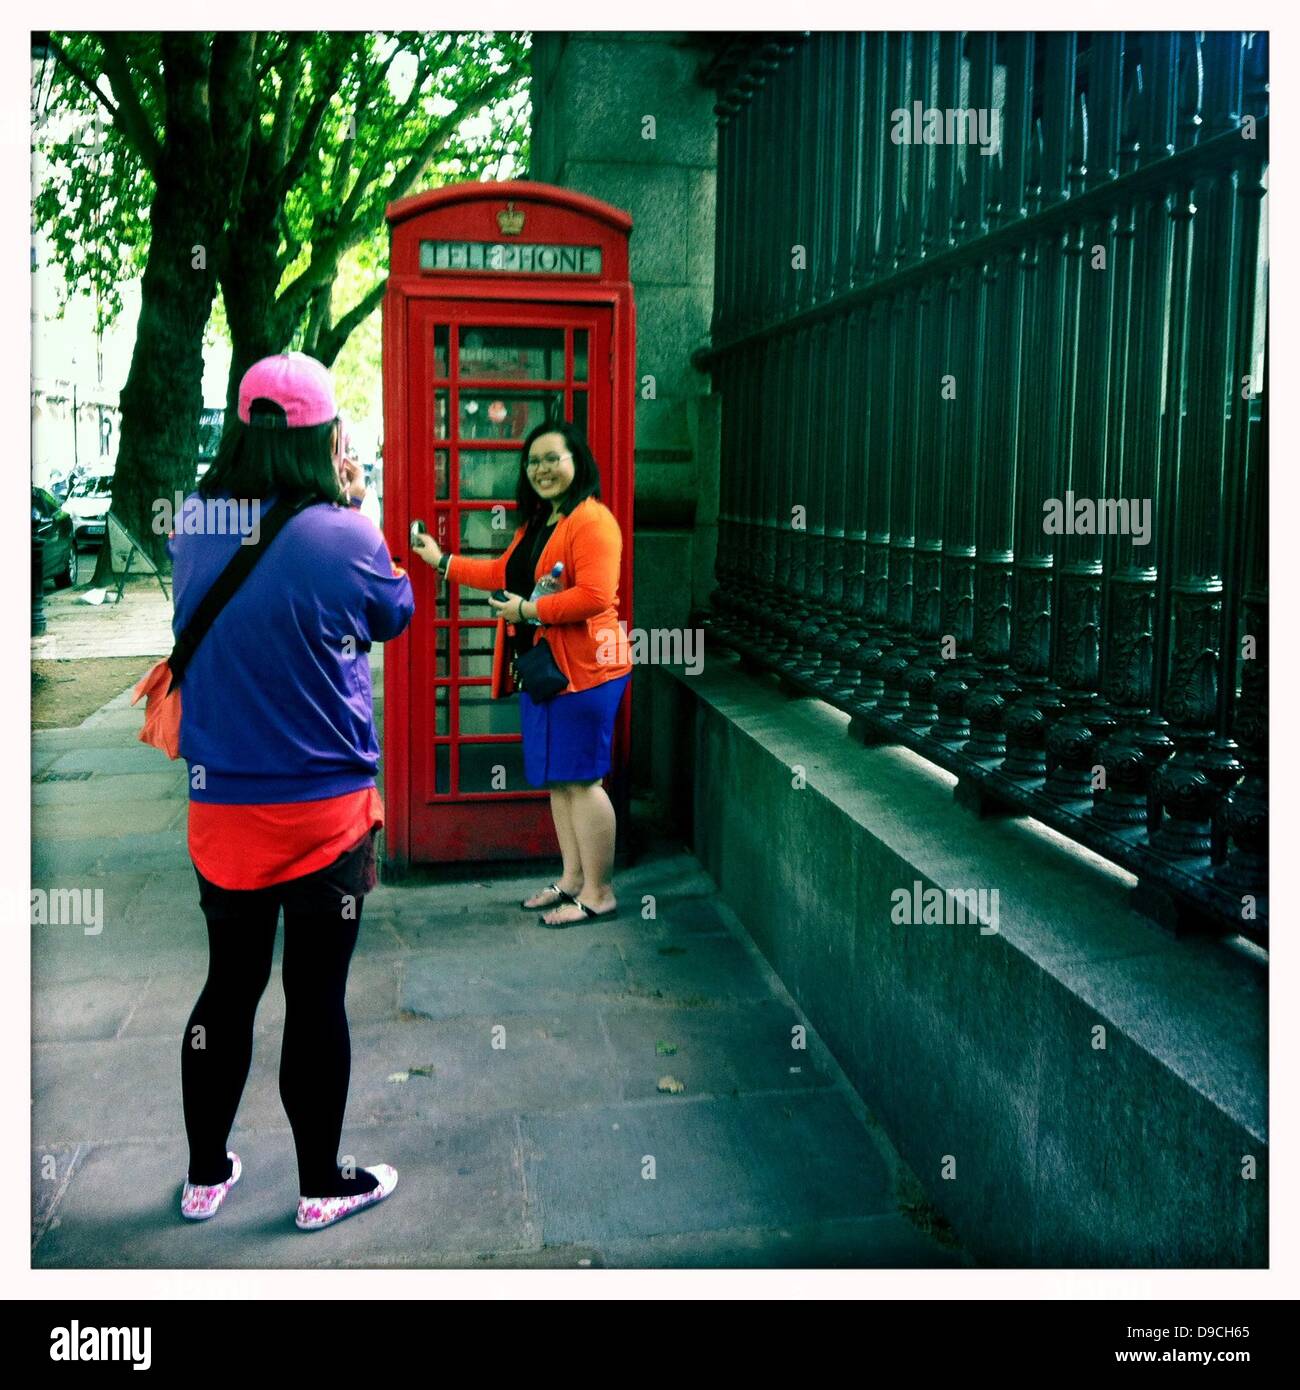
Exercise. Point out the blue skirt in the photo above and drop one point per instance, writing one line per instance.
(567, 738)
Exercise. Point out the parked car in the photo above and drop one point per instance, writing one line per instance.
(88, 505)
(54, 526)
(60, 483)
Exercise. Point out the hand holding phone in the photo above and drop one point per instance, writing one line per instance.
(424, 545)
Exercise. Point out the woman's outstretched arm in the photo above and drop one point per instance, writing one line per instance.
(464, 569)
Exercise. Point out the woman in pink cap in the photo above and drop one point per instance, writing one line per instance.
(277, 729)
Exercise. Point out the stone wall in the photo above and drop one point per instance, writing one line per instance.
(597, 97)
(1074, 1089)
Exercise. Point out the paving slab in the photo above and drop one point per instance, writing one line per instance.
(95, 817)
(678, 1165)
(421, 928)
(459, 1188)
(695, 974)
(92, 756)
(91, 1009)
(56, 861)
(53, 1167)
(140, 625)
(134, 850)
(97, 1091)
(721, 1050)
(463, 982)
(890, 1242)
(555, 1061)
(123, 788)
(702, 915)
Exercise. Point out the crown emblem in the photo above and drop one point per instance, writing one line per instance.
(510, 220)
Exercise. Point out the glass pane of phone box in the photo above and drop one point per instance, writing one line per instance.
(481, 714)
(493, 767)
(512, 353)
(487, 473)
(476, 645)
(506, 414)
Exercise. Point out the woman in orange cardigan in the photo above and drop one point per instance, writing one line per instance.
(567, 739)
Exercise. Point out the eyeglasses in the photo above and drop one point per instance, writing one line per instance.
(549, 459)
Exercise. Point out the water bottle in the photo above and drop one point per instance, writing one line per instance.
(548, 583)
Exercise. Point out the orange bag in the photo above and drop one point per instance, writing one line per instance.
(162, 710)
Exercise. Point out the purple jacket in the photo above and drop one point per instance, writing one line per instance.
(276, 702)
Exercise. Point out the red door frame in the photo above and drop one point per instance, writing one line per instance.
(479, 827)
(474, 213)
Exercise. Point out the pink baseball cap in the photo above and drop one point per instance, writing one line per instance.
(298, 384)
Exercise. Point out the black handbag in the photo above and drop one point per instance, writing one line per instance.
(538, 673)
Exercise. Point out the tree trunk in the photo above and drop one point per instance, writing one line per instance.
(163, 394)
(250, 276)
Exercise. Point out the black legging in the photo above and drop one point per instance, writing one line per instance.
(322, 914)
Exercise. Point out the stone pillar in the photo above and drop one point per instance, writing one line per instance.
(626, 118)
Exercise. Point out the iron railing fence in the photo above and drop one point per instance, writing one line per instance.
(994, 473)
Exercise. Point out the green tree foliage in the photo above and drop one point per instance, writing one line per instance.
(94, 206)
(313, 135)
(350, 123)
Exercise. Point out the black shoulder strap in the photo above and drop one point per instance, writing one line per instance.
(226, 583)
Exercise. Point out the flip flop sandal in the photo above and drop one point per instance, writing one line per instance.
(561, 897)
(589, 912)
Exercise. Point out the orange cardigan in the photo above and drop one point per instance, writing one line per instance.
(581, 621)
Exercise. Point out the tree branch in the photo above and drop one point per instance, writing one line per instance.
(354, 224)
(232, 100)
(317, 319)
(128, 116)
(274, 52)
(330, 343)
(439, 137)
(297, 164)
(290, 80)
(186, 75)
(83, 77)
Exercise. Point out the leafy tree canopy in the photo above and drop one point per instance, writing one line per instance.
(344, 124)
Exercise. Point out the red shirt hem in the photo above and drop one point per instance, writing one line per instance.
(245, 848)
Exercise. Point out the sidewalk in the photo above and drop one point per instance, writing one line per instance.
(509, 1073)
(141, 625)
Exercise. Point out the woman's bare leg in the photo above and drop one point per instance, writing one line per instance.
(566, 833)
(594, 825)
(571, 880)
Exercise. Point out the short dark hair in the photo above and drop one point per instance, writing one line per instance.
(265, 458)
(586, 475)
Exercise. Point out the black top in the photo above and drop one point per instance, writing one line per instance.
(521, 567)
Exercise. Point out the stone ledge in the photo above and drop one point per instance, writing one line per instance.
(981, 1047)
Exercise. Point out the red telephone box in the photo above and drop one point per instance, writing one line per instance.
(507, 304)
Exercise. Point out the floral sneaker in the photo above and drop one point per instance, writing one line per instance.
(315, 1213)
(203, 1203)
